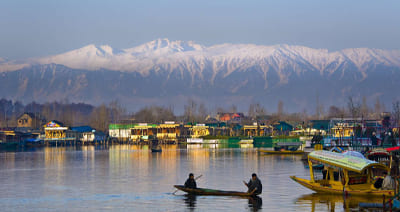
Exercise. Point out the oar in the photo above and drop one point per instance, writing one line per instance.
(194, 179)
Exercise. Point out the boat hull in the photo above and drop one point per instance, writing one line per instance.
(338, 189)
(282, 152)
(206, 191)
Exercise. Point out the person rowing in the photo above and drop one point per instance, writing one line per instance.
(254, 185)
(191, 182)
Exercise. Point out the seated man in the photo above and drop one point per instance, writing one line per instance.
(378, 183)
(388, 182)
(190, 182)
(254, 185)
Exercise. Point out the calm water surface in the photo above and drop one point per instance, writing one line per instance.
(131, 178)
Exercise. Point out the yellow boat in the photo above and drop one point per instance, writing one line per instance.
(344, 175)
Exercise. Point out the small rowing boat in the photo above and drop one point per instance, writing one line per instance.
(206, 191)
(282, 148)
(156, 149)
(281, 152)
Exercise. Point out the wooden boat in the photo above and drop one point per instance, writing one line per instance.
(344, 175)
(281, 152)
(206, 191)
(285, 148)
(156, 149)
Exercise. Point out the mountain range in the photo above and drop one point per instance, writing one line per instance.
(165, 72)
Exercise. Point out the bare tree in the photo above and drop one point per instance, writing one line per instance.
(364, 108)
(100, 118)
(280, 109)
(396, 112)
(251, 112)
(202, 113)
(378, 108)
(353, 107)
(260, 110)
(190, 110)
(335, 112)
(319, 108)
(233, 109)
(117, 111)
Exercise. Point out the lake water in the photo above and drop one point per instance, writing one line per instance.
(132, 178)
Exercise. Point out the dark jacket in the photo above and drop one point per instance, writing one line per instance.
(254, 184)
(374, 140)
(190, 183)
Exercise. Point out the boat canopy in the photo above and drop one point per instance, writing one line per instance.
(347, 162)
(393, 149)
(353, 153)
(378, 151)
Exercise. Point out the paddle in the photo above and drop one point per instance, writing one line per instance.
(194, 179)
(252, 192)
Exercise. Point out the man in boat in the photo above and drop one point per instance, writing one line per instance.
(374, 139)
(190, 182)
(388, 182)
(254, 185)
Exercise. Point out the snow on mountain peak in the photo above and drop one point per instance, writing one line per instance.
(164, 46)
(163, 54)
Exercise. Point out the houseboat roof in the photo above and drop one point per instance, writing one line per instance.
(347, 162)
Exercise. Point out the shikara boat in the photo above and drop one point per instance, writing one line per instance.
(207, 191)
(345, 174)
(156, 149)
(285, 148)
(380, 155)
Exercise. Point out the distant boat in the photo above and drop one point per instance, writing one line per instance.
(285, 148)
(33, 142)
(156, 149)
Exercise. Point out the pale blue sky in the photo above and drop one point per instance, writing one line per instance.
(32, 28)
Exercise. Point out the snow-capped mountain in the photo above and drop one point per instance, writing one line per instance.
(166, 54)
(178, 69)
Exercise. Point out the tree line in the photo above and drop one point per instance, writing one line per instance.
(99, 117)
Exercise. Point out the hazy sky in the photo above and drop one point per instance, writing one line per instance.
(31, 28)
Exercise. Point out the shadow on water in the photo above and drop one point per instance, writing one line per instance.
(255, 203)
(190, 201)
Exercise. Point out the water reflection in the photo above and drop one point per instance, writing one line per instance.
(255, 203)
(330, 202)
(122, 177)
(190, 201)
